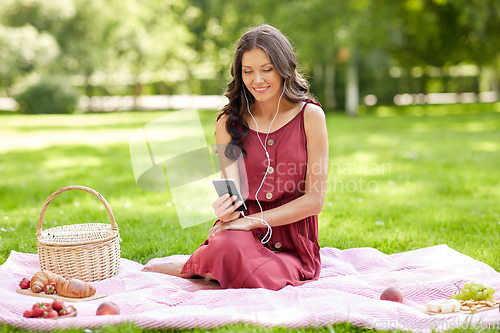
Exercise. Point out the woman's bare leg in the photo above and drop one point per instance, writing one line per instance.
(173, 268)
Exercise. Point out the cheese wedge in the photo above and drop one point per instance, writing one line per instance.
(444, 305)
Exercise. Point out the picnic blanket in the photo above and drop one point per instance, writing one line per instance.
(348, 290)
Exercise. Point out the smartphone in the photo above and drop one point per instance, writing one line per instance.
(227, 185)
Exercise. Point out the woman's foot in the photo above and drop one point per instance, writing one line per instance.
(173, 268)
(170, 268)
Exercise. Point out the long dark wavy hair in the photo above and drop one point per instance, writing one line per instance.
(282, 57)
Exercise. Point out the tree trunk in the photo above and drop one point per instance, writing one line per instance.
(319, 77)
(330, 101)
(425, 80)
(495, 82)
(496, 78)
(352, 88)
(88, 90)
(137, 92)
(163, 88)
(477, 88)
(8, 87)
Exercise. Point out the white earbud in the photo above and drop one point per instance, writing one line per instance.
(269, 232)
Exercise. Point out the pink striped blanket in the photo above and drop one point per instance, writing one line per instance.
(348, 290)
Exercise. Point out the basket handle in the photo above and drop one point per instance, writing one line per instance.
(69, 188)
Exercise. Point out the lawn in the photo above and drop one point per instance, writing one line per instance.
(396, 183)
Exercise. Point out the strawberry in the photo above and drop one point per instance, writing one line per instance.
(28, 314)
(25, 283)
(58, 304)
(50, 314)
(37, 310)
(50, 288)
(46, 306)
(67, 310)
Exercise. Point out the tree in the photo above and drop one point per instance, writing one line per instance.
(153, 43)
(24, 50)
(25, 39)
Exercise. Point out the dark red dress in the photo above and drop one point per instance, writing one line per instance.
(238, 259)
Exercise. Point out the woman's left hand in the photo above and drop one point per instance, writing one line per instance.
(238, 224)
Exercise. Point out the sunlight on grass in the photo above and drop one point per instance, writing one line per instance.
(12, 140)
(72, 162)
(486, 146)
(381, 140)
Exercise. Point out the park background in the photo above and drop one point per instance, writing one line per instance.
(422, 76)
(364, 52)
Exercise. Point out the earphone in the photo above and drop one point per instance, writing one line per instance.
(269, 232)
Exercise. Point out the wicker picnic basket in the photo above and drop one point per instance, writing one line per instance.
(89, 252)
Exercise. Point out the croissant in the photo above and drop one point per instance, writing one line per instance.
(75, 288)
(42, 278)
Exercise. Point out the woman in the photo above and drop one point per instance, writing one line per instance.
(286, 167)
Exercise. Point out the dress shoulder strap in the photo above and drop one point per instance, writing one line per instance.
(310, 100)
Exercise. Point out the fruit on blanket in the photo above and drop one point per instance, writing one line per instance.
(392, 294)
(58, 304)
(67, 310)
(70, 309)
(48, 310)
(75, 288)
(37, 310)
(50, 288)
(444, 305)
(46, 306)
(50, 314)
(107, 308)
(25, 283)
(42, 278)
(474, 291)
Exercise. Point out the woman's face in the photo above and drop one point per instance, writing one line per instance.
(260, 76)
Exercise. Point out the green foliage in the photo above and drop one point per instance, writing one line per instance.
(43, 15)
(49, 95)
(23, 50)
(186, 46)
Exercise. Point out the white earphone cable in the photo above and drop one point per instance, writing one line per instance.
(269, 232)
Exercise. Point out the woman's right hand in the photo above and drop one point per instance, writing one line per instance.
(224, 209)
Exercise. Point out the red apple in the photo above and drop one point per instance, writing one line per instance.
(392, 294)
(107, 308)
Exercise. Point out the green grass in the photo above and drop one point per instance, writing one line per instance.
(131, 328)
(432, 180)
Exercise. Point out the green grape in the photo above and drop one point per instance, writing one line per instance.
(490, 297)
(490, 290)
(467, 293)
(460, 296)
(485, 294)
(478, 296)
(480, 286)
(473, 290)
(467, 285)
(453, 296)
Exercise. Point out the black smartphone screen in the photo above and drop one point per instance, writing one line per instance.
(227, 185)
